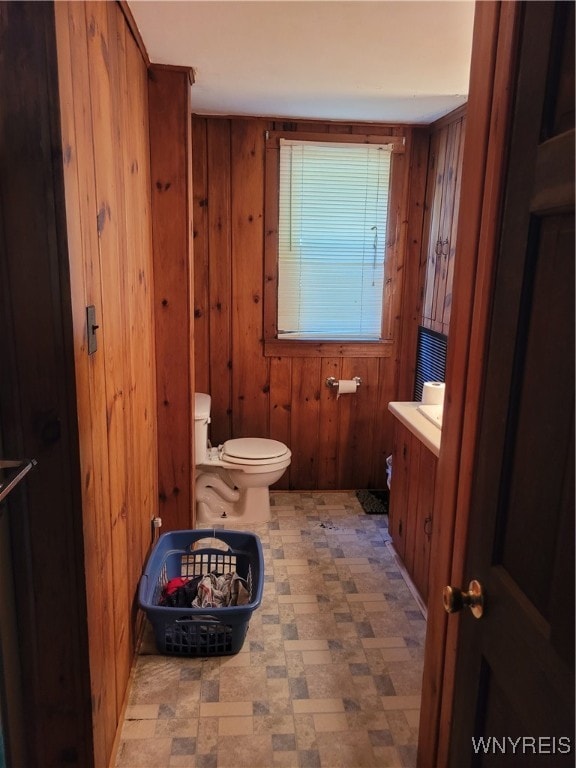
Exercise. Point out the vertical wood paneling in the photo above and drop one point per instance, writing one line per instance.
(357, 423)
(144, 494)
(395, 246)
(220, 277)
(305, 424)
(438, 169)
(250, 381)
(104, 79)
(335, 443)
(201, 257)
(329, 443)
(170, 137)
(78, 215)
(446, 218)
(442, 200)
(82, 207)
(104, 112)
(446, 309)
(414, 269)
(382, 439)
(281, 406)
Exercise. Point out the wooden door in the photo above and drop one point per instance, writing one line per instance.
(425, 480)
(515, 672)
(399, 488)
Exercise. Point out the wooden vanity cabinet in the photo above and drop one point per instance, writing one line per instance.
(411, 504)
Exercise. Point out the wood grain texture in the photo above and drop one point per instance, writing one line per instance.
(76, 217)
(38, 413)
(414, 273)
(201, 260)
(250, 375)
(86, 287)
(104, 108)
(335, 443)
(483, 160)
(170, 153)
(441, 219)
(220, 276)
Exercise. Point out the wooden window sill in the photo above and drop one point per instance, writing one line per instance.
(289, 348)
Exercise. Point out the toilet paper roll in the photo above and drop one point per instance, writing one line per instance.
(346, 387)
(433, 392)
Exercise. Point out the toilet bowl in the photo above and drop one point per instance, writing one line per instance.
(233, 480)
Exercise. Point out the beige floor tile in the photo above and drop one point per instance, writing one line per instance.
(401, 702)
(306, 645)
(316, 657)
(225, 708)
(235, 726)
(330, 722)
(141, 712)
(144, 753)
(312, 706)
(139, 729)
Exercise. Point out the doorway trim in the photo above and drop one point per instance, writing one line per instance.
(484, 164)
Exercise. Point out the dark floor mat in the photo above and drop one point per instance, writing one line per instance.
(373, 502)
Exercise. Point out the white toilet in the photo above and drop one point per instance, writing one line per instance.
(233, 480)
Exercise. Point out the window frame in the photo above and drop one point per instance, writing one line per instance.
(383, 347)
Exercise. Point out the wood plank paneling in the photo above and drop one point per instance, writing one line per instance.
(330, 424)
(414, 265)
(357, 424)
(453, 228)
(201, 260)
(81, 207)
(305, 422)
(103, 83)
(170, 144)
(250, 379)
(220, 276)
(81, 190)
(281, 406)
(441, 221)
(140, 310)
(103, 75)
(335, 443)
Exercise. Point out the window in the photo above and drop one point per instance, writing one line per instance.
(332, 228)
(329, 256)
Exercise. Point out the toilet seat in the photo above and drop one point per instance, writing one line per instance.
(253, 451)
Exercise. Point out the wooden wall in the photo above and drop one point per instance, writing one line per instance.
(336, 444)
(171, 170)
(441, 221)
(105, 148)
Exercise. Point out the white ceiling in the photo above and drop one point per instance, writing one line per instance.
(374, 60)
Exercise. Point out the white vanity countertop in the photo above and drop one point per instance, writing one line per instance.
(418, 424)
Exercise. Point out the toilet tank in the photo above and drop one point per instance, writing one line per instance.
(201, 420)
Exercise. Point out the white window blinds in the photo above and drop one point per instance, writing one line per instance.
(332, 236)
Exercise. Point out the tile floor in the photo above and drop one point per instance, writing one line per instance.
(329, 674)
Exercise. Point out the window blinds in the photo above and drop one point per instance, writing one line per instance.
(332, 237)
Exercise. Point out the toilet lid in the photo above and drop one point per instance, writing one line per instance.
(254, 448)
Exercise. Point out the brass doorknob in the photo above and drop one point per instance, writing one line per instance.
(455, 599)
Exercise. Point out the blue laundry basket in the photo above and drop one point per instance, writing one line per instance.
(201, 631)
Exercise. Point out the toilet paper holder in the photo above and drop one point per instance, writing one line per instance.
(331, 381)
